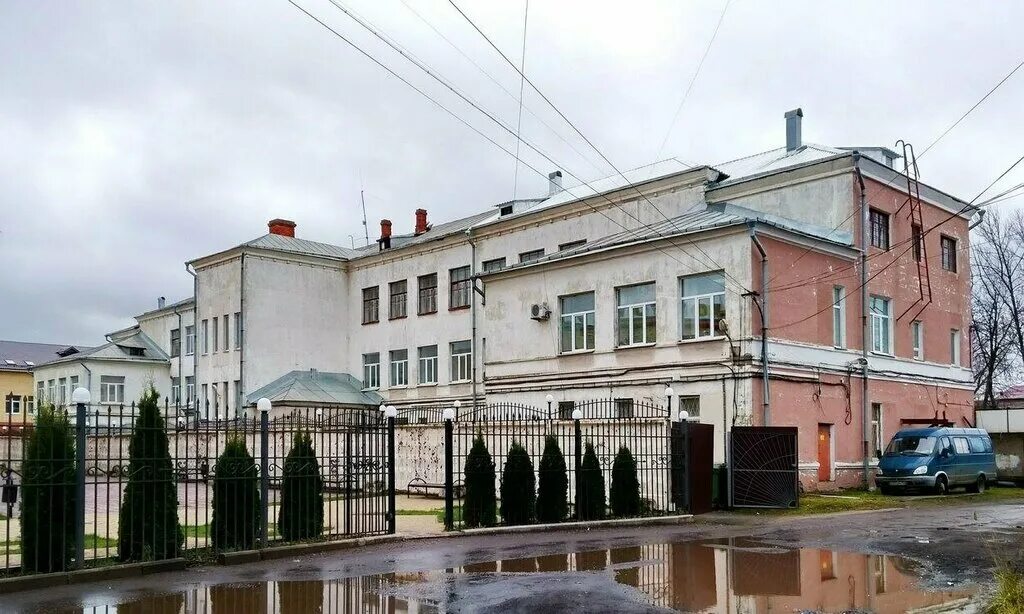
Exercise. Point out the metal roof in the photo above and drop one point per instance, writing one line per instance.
(26, 355)
(776, 160)
(117, 349)
(316, 388)
(301, 246)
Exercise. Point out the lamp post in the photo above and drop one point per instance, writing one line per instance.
(550, 399)
(448, 416)
(81, 398)
(264, 406)
(391, 413)
(668, 398)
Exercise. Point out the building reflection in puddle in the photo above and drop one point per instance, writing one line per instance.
(719, 576)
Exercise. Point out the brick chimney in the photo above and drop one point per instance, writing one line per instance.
(385, 235)
(421, 221)
(285, 228)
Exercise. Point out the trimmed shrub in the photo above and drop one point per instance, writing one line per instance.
(236, 499)
(625, 490)
(48, 487)
(591, 505)
(553, 484)
(479, 508)
(518, 487)
(302, 493)
(148, 527)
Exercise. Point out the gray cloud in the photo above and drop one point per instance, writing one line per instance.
(139, 135)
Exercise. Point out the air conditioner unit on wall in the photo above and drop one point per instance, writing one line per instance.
(540, 312)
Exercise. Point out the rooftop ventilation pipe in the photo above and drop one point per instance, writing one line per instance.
(793, 137)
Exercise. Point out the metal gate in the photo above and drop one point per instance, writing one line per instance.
(692, 463)
(763, 466)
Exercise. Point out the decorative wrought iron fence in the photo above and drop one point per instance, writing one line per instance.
(83, 472)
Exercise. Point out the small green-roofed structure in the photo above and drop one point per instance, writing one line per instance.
(312, 388)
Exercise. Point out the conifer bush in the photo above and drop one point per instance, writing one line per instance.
(49, 493)
(553, 484)
(518, 487)
(479, 508)
(236, 499)
(591, 505)
(302, 493)
(148, 527)
(625, 489)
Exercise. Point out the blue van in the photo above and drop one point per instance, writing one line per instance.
(936, 459)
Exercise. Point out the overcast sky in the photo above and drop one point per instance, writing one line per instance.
(137, 135)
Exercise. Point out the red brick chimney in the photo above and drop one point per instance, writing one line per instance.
(285, 228)
(385, 234)
(421, 221)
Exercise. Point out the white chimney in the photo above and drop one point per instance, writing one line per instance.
(793, 137)
(554, 183)
(160, 302)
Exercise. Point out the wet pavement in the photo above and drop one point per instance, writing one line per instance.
(915, 559)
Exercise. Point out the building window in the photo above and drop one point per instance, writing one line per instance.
(175, 342)
(636, 315)
(565, 409)
(216, 334)
(205, 330)
(948, 245)
(72, 384)
(190, 340)
(839, 317)
(530, 256)
(954, 347)
(623, 408)
(399, 371)
(238, 330)
(505, 210)
(462, 361)
(703, 305)
(227, 339)
(572, 245)
(40, 391)
(428, 365)
(175, 390)
(190, 389)
(12, 404)
(398, 295)
(111, 389)
(216, 400)
(62, 391)
(371, 371)
(917, 339)
(876, 430)
(490, 266)
(51, 394)
(371, 305)
(577, 322)
(917, 239)
(238, 397)
(458, 296)
(427, 294)
(30, 405)
(690, 404)
(879, 226)
(881, 325)
(205, 400)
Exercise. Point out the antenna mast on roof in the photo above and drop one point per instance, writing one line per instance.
(366, 231)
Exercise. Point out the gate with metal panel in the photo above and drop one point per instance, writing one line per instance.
(692, 464)
(763, 467)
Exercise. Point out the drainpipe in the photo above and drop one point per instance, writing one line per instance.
(88, 377)
(765, 388)
(472, 307)
(241, 346)
(864, 316)
(195, 322)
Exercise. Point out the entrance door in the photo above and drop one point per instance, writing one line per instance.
(824, 452)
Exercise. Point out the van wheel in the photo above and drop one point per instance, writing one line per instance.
(941, 485)
(979, 486)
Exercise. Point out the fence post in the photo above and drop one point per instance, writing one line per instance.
(391, 413)
(448, 415)
(577, 457)
(80, 397)
(263, 405)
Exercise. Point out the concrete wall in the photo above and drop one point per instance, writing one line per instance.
(158, 327)
(218, 293)
(138, 376)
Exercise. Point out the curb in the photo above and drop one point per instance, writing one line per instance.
(96, 574)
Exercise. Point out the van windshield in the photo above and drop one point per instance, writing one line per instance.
(910, 446)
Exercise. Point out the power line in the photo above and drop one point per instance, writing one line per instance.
(519, 121)
(629, 184)
(693, 80)
(498, 122)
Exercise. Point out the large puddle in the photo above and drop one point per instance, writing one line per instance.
(735, 576)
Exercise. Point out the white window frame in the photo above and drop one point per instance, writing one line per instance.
(175, 343)
(689, 403)
(72, 384)
(216, 335)
(112, 390)
(461, 364)
(41, 391)
(190, 340)
(12, 404)
(227, 339)
(62, 391)
(51, 391)
(30, 405)
(839, 317)
(878, 436)
(629, 308)
(917, 339)
(190, 389)
(238, 330)
(398, 369)
(695, 301)
(879, 320)
(175, 390)
(954, 347)
(427, 366)
(569, 318)
(205, 333)
(371, 372)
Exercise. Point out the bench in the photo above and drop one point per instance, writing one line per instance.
(420, 486)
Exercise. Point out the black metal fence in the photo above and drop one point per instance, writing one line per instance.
(82, 484)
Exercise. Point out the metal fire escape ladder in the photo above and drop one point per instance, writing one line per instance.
(924, 280)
